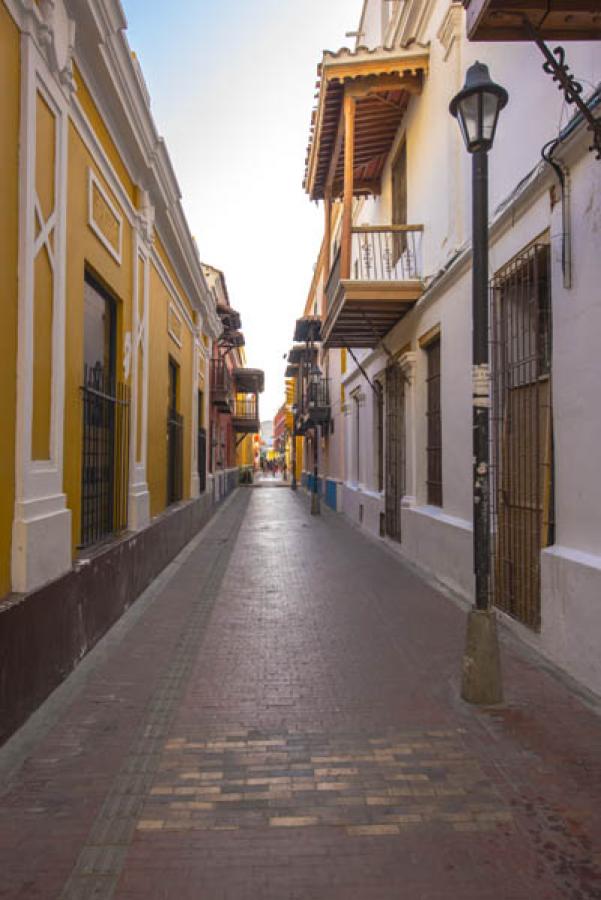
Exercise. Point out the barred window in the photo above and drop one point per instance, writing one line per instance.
(433, 414)
(105, 448)
(522, 469)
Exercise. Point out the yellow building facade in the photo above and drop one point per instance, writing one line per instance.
(106, 321)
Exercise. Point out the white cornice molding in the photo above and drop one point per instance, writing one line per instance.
(53, 32)
(108, 15)
(202, 299)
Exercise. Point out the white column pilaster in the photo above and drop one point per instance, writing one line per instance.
(41, 540)
(139, 495)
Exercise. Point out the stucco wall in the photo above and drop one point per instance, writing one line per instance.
(161, 347)
(9, 185)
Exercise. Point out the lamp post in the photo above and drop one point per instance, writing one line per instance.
(476, 108)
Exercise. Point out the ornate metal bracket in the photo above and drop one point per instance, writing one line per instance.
(556, 66)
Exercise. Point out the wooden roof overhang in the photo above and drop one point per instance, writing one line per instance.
(308, 329)
(363, 312)
(381, 82)
(249, 381)
(504, 20)
(301, 353)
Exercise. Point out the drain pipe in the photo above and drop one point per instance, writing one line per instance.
(563, 176)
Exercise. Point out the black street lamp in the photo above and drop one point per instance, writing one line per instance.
(476, 107)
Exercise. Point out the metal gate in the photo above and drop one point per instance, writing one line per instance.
(522, 440)
(202, 459)
(395, 449)
(175, 456)
(105, 456)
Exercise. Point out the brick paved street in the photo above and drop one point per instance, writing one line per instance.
(278, 718)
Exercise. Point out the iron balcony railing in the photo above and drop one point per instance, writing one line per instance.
(105, 456)
(315, 403)
(221, 383)
(175, 456)
(247, 408)
(380, 253)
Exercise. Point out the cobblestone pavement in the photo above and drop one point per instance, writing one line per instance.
(278, 719)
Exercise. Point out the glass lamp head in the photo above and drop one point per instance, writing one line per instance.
(477, 106)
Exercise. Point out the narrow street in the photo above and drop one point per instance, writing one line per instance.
(278, 717)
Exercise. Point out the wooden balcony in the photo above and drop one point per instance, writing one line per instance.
(249, 381)
(377, 276)
(554, 20)
(384, 283)
(308, 329)
(230, 318)
(245, 415)
(221, 385)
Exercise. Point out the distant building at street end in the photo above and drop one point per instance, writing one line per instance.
(279, 429)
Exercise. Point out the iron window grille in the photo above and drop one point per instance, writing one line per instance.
(105, 457)
(434, 419)
(522, 506)
(202, 459)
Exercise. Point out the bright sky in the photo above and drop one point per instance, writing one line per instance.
(232, 88)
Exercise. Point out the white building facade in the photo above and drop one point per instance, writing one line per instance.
(397, 340)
